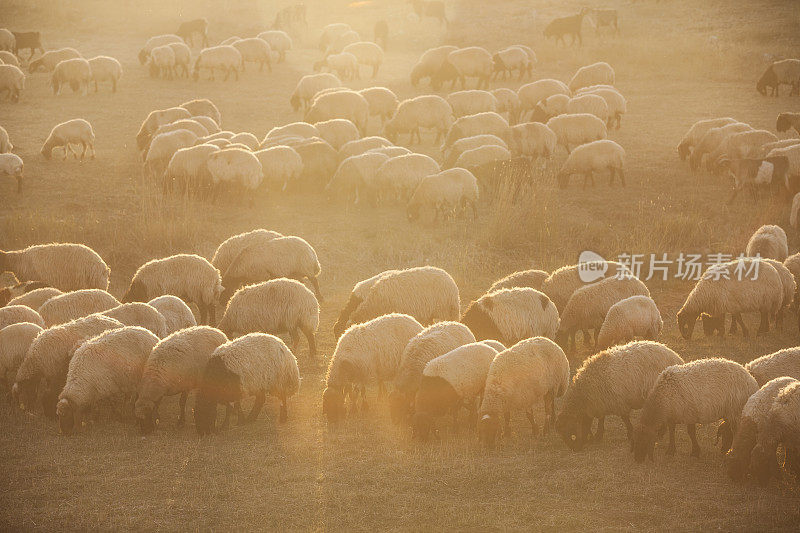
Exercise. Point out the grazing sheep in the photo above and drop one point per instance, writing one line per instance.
(342, 104)
(597, 156)
(562, 283)
(65, 266)
(524, 278)
(225, 58)
(15, 339)
(367, 53)
(361, 146)
(344, 64)
(309, 86)
(562, 26)
(5, 141)
(246, 138)
(615, 381)
(478, 124)
(403, 174)
(12, 81)
(48, 358)
(281, 165)
(469, 62)
(429, 8)
(140, 314)
(175, 366)
(427, 293)
(713, 138)
(320, 161)
(426, 111)
(786, 121)
(637, 316)
(468, 143)
(355, 177)
(275, 306)
(510, 59)
(430, 63)
(782, 427)
(365, 352)
(591, 104)
(532, 371)
(337, 132)
(162, 149)
(154, 120)
(202, 107)
(699, 392)
(785, 71)
(12, 165)
(573, 130)
(743, 145)
(331, 32)
(184, 124)
(51, 58)
(482, 155)
(256, 364)
(105, 367)
(510, 315)
(177, 314)
(105, 68)
(279, 41)
(255, 50)
(14, 314)
(552, 106)
(599, 73)
(72, 132)
(76, 72)
(235, 167)
(768, 241)
(187, 168)
(187, 31)
(190, 277)
(162, 62)
(183, 58)
(234, 245)
(382, 102)
(153, 42)
(532, 93)
(532, 139)
(615, 102)
(76, 304)
(36, 297)
(447, 193)
(507, 102)
(784, 362)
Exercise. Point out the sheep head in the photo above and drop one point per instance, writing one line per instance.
(712, 325)
(644, 443)
(333, 405)
(573, 429)
(488, 428)
(399, 407)
(737, 460)
(480, 322)
(783, 123)
(66, 416)
(763, 464)
(421, 427)
(144, 411)
(768, 79)
(23, 393)
(5, 296)
(143, 55)
(344, 316)
(686, 324)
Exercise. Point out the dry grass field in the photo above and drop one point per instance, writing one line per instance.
(369, 474)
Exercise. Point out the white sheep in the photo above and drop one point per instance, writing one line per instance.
(76, 72)
(183, 58)
(208, 123)
(768, 241)
(402, 174)
(108, 366)
(246, 138)
(235, 167)
(361, 146)
(140, 314)
(331, 32)
(589, 103)
(600, 73)
(190, 124)
(479, 124)
(615, 382)
(278, 41)
(12, 81)
(320, 161)
(367, 53)
(430, 63)
(482, 155)
(15, 339)
(281, 165)
(76, 304)
(563, 282)
(365, 352)
(427, 111)
(391, 151)
(342, 104)
(65, 266)
(699, 392)
(531, 94)
(225, 58)
(204, 107)
(189, 276)
(427, 293)
(533, 371)
(510, 315)
(576, 129)
(355, 177)
(507, 102)
(470, 102)
(337, 131)
(162, 62)
(162, 149)
(35, 298)
(13, 314)
(510, 59)
(784, 362)
(525, 278)
(713, 138)
(782, 427)
(344, 64)
(13, 166)
(382, 102)
(447, 193)
(105, 68)
(532, 139)
(468, 143)
(72, 132)
(233, 246)
(310, 85)
(175, 366)
(177, 314)
(637, 316)
(157, 40)
(469, 62)
(187, 168)
(552, 106)
(5, 141)
(594, 157)
(255, 50)
(154, 120)
(342, 40)
(51, 58)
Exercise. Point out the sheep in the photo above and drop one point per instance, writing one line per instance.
(512, 58)
(713, 138)
(615, 102)
(72, 132)
(524, 278)
(344, 64)
(202, 106)
(599, 73)
(793, 264)
(105, 367)
(469, 62)
(331, 32)
(451, 381)
(343, 104)
(786, 121)
(382, 102)
(482, 155)
(275, 306)
(181, 57)
(559, 27)
(48, 358)
(390, 151)
(175, 366)
(208, 123)
(161, 150)
(188, 29)
(75, 72)
(320, 161)
(162, 62)
(32, 40)
(280, 165)
(702, 391)
(597, 156)
(785, 71)
(234, 245)
(446, 193)
(355, 177)
(361, 146)
(402, 174)
(226, 58)
(279, 41)
(337, 132)
(15, 339)
(532, 139)
(184, 124)
(105, 68)
(187, 167)
(65, 266)
(12, 165)
(310, 85)
(533, 370)
(51, 58)
(13, 314)
(782, 427)
(562, 283)
(468, 143)
(370, 351)
(153, 42)
(430, 8)
(275, 258)
(784, 362)
(426, 293)
(507, 102)
(753, 426)
(156, 119)
(637, 316)
(36, 297)
(139, 314)
(430, 63)
(768, 241)
(8, 58)
(552, 106)
(470, 102)
(478, 124)
(76, 304)
(12, 81)
(426, 111)
(589, 103)
(746, 144)
(577, 129)
(588, 306)
(302, 130)
(176, 313)
(188, 276)
(246, 138)
(532, 93)
(235, 167)
(431, 342)
(255, 50)
(615, 381)
(7, 40)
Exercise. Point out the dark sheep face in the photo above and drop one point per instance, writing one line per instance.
(477, 319)
(344, 316)
(713, 324)
(66, 416)
(737, 460)
(24, 394)
(205, 415)
(686, 324)
(145, 418)
(143, 56)
(421, 427)
(399, 407)
(768, 79)
(570, 429)
(782, 124)
(763, 464)
(488, 428)
(333, 405)
(644, 443)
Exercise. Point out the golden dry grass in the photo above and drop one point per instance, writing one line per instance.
(369, 475)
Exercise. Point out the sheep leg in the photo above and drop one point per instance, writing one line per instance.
(671, 447)
(763, 326)
(626, 419)
(259, 403)
(364, 406)
(83, 153)
(621, 175)
(312, 342)
(692, 430)
(227, 421)
(239, 413)
(745, 332)
(532, 420)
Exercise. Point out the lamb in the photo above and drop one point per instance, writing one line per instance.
(107, 366)
(402, 174)
(366, 352)
(75, 131)
(469, 143)
(233, 246)
(48, 357)
(51, 58)
(14, 314)
(510, 315)
(699, 392)
(367, 53)
(470, 102)
(469, 62)
(510, 59)
(559, 27)
(615, 381)
(451, 381)
(431, 342)
(426, 293)
(426, 111)
(430, 63)
(361, 146)
(337, 132)
(532, 139)
(343, 104)
(637, 316)
(226, 58)
(331, 32)
(507, 102)
(202, 107)
(382, 102)
(162, 62)
(713, 138)
(76, 304)
(281, 257)
(256, 364)
(753, 426)
(478, 124)
(784, 362)
(153, 42)
(175, 366)
(533, 370)
(139, 314)
(532, 93)
(187, 168)
(281, 165)
(482, 155)
(12, 81)
(12, 165)
(589, 305)
(310, 85)
(768, 241)
(176, 313)
(191, 277)
(577, 129)
(275, 306)
(162, 149)
(446, 193)
(599, 73)
(615, 102)
(255, 50)
(187, 31)
(15, 339)
(786, 121)
(279, 41)
(524, 278)
(35, 297)
(235, 167)
(782, 427)
(65, 266)
(597, 156)
(785, 71)
(156, 119)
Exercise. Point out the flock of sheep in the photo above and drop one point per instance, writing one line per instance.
(70, 345)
